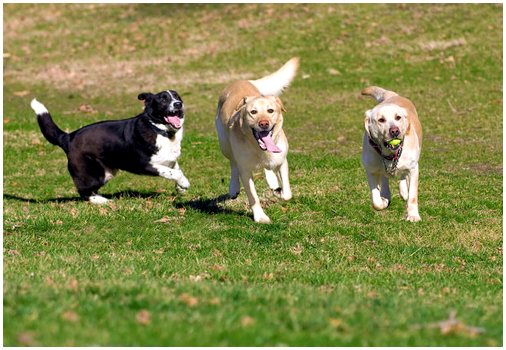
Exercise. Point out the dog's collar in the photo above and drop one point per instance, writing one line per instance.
(159, 131)
(392, 159)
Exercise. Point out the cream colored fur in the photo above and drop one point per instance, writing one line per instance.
(392, 111)
(242, 107)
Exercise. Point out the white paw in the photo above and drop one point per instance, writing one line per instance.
(413, 218)
(96, 199)
(183, 184)
(260, 217)
(263, 219)
(286, 195)
(381, 205)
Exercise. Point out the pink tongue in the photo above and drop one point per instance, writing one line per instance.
(174, 121)
(270, 145)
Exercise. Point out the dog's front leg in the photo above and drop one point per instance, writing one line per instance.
(182, 184)
(254, 202)
(378, 202)
(412, 204)
(174, 174)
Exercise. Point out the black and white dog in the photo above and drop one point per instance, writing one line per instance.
(148, 144)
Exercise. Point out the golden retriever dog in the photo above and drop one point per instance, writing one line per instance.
(249, 121)
(392, 145)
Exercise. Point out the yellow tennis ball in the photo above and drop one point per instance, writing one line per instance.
(394, 142)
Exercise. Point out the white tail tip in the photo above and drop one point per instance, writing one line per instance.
(38, 107)
(275, 83)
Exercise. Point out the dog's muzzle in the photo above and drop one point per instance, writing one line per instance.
(174, 119)
(265, 141)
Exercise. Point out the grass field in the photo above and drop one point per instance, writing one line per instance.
(158, 268)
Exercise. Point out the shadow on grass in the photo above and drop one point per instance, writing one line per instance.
(209, 205)
(117, 195)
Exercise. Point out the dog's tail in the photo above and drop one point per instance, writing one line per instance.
(275, 83)
(49, 129)
(378, 93)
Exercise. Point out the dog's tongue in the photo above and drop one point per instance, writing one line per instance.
(269, 144)
(174, 121)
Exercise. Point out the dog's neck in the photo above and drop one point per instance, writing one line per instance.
(161, 129)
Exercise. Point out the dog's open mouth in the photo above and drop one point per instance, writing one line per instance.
(174, 120)
(392, 144)
(265, 141)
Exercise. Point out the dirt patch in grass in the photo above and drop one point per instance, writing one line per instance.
(96, 75)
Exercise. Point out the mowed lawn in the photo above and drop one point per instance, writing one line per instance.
(157, 268)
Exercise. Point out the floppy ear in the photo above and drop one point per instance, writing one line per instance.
(367, 121)
(280, 104)
(145, 96)
(243, 101)
(404, 113)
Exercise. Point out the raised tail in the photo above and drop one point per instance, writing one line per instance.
(49, 129)
(275, 83)
(378, 93)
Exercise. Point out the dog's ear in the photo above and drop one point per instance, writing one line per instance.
(280, 104)
(404, 113)
(145, 96)
(367, 121)
(242, 102)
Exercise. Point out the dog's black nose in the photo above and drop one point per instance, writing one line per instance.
(178, 105)
(394, 131)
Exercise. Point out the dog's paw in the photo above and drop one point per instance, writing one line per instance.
(262, 219)
(234, 189)
(96, 199)
(259, 215)
(233, 195)
(182, 184)
(413, 218)
(286, 196)
(381, 205)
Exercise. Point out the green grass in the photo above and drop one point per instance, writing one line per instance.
(157, 268)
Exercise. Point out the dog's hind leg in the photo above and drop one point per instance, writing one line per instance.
(385, 189)
(234, 187)
(412, 204)
(403, 187)
(272, 181)
(88, 175)
(286, 191)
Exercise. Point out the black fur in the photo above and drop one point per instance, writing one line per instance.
(113, 145)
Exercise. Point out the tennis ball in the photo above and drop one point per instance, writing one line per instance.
(394, 142)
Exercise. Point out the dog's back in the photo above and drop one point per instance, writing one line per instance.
(231, 96)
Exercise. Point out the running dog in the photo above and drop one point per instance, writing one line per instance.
(391, 146)
(148, 144)
(249, 122)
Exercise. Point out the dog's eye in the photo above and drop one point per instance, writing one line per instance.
(270, 110)
(381, 120)
(398, 117)
(253, 111)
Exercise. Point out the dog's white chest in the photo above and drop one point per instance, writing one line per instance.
(169, 150)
